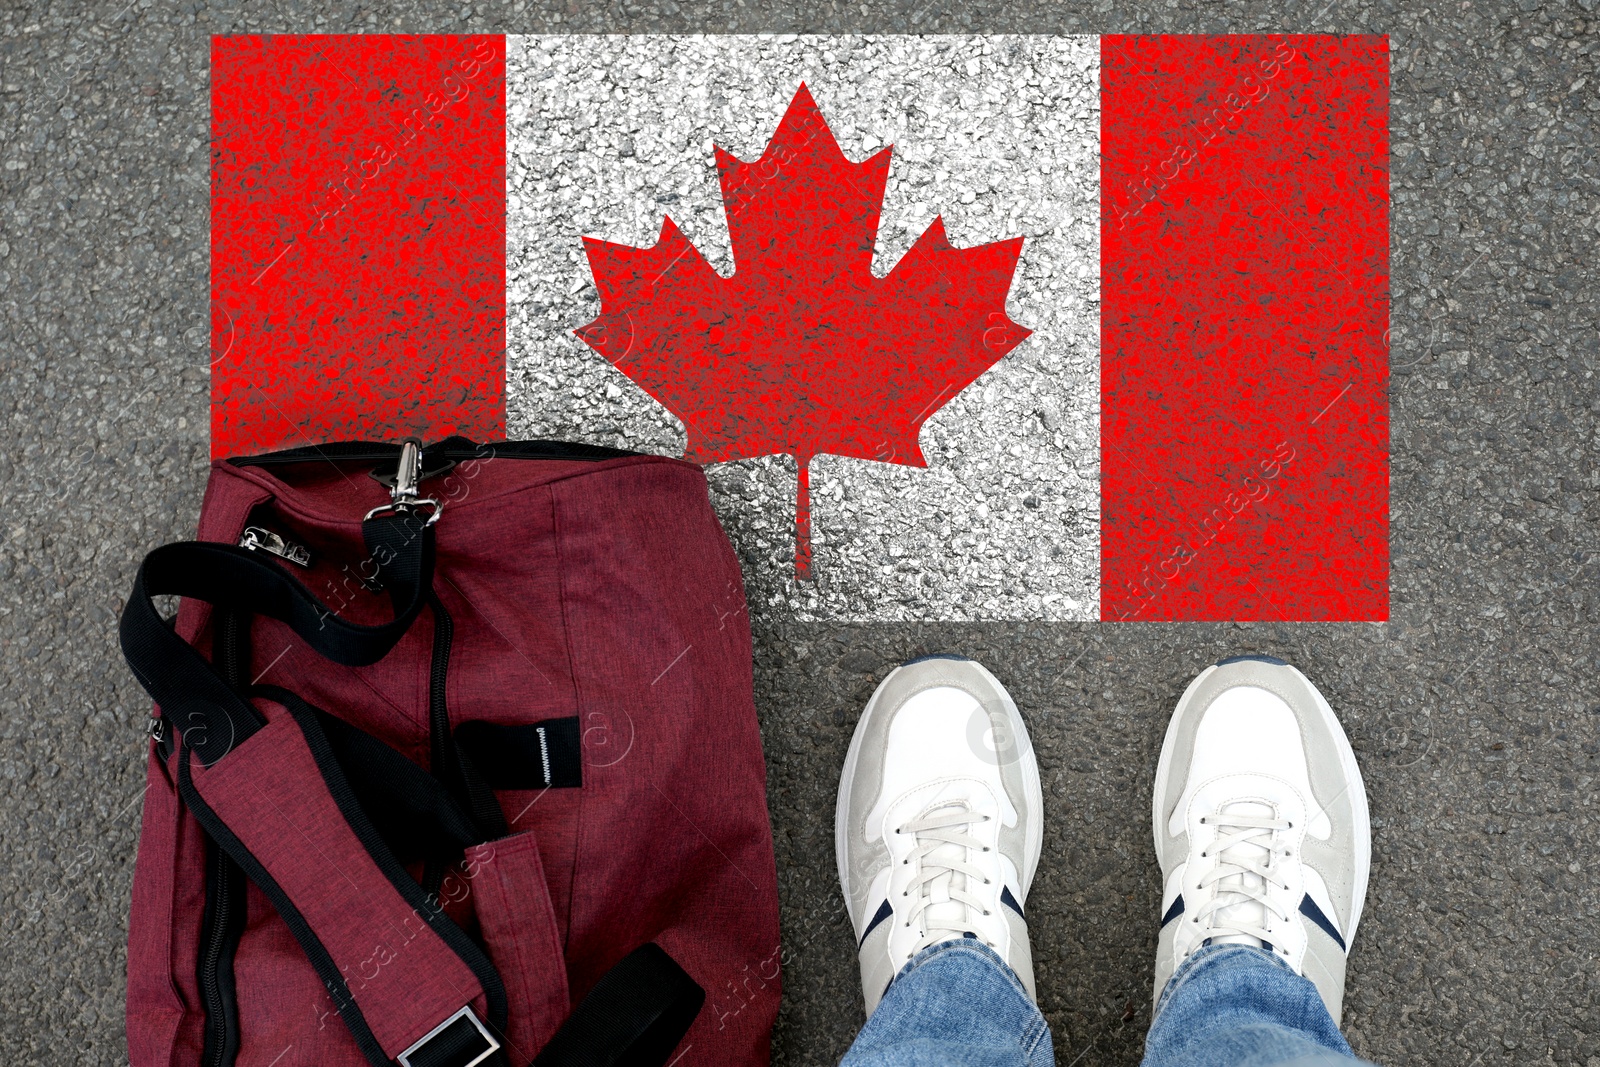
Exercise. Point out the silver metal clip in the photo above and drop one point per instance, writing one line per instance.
(157, 729)
(408, 471)
(259, 537)
(403, 497)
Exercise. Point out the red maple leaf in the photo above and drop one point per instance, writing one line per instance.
(802, 350)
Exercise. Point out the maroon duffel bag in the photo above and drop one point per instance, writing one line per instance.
(454, 762)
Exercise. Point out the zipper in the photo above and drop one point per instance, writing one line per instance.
(228, 650)
(223, 919)
(445, 759)
(259, 537)
(439, 740)
(440, 743)
(451, 448)
(219, 939)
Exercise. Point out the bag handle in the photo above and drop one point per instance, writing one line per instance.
(213, 717)
(635, 1016)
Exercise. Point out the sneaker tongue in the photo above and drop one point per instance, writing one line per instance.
(1244, 910)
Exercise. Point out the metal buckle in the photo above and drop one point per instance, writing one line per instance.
(461, 1024)
(407, 507)
(403, 493)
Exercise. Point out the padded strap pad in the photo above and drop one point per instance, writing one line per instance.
(394, 963)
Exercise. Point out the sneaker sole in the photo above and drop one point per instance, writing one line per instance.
(1347, 761)
(1032, 790)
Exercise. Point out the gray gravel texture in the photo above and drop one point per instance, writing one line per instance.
(1475, 710)
(999, 136)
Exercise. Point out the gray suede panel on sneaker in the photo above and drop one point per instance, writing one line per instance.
(1334, 858)
(877, 971)
(905, 683)
(1325, 964)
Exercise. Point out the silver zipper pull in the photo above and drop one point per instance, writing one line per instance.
(259, 537)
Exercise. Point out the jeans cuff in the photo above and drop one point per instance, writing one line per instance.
(1209, 954)
(970, 946)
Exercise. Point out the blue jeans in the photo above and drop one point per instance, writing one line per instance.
(930, 1017)
(1227, 1006)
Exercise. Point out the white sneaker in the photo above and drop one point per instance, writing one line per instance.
(1260, 824)
(938, 826)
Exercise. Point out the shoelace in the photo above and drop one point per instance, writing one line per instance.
(1243, 878)
(940, 855)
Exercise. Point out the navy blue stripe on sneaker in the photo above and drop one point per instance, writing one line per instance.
(1174, 911)
(1010, 901)
(1255, 657)
(1309, 909)
(884, 911)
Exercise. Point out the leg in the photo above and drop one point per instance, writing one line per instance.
(1240, 1006)
(1261, 827)
(938, 834)
(927, 1018)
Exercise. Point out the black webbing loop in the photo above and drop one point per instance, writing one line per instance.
(193, 697)
(633, 1017)
(411, 810)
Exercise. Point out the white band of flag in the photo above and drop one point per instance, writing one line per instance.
(1195, 428)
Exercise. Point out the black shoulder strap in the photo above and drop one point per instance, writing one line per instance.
(213, 717)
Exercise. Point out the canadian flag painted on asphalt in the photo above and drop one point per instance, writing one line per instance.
(978, 327)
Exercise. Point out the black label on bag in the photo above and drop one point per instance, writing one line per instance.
(541, 755)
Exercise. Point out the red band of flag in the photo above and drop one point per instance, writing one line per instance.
(1244, 328)
(357, 239)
